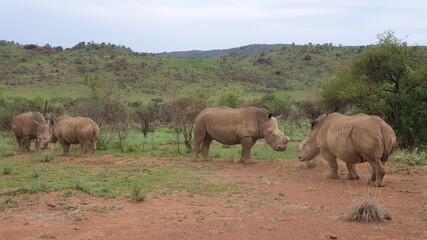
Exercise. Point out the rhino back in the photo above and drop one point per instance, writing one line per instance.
(87, 129)
(75, 130)
(23, 124)
(64, 129)
(227, 125)
(352, 138)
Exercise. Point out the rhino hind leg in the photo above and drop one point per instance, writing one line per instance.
(205, 147)
(83, 148)
(94, 147)
(378, 172)
(352, 174)
(199, 136)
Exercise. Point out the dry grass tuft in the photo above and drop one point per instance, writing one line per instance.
(365, 212)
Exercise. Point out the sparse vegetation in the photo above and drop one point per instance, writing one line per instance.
(414, 157)
(47, 157)
(137, 193)
(48, 235)
(366, 211)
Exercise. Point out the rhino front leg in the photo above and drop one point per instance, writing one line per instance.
(37, 144)
(19, 141)
(65, 147)
(352, 174)
(332, 161)
(26, 143)
(247, 144)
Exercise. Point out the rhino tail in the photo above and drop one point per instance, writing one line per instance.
(390, 143)
(96, 131)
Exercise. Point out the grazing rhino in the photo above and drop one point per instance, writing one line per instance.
(236, 126)
(28, 126)
(353, 139)
(75, 130)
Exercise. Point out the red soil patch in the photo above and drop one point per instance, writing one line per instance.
(286, 200)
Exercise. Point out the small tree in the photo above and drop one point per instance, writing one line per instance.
(275, 103)
(145, 117)
(310, 108)
(229, 100)
(182, 113)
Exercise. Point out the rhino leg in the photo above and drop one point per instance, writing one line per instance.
(352, 174)
(94, 147)
(26, 143)
(19, 141)
(199, 137)
(37, 145)
(378, 173)
(65, 147)
(205, 148)
(84, 147)
(247, 144)
(332, 161)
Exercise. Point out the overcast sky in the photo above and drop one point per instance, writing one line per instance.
(179, 25)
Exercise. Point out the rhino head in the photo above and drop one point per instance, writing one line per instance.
(42, 133)
(273, 136)
(308, 148)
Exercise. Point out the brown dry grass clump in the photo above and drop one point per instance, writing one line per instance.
(365, 212)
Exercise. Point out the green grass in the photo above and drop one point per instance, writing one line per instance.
(132, 181)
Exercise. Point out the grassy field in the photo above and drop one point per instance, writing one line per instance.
(36, 172)
(48, 171)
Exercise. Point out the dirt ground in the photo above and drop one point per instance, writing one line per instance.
(286, 200)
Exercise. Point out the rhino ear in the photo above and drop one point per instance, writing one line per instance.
(313, 124)
(280, 116)
(269, 115)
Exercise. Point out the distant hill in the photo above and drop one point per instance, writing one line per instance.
(252, 49)
(251, 71)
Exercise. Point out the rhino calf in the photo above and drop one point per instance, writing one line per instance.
(236, 126)
(75, 130)
(353, 139)
(28, 126)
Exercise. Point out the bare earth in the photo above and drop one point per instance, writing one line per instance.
(286, 200)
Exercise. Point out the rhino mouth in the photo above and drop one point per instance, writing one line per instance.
(302, 159)
(280, 149)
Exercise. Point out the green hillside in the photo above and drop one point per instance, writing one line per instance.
(232, 52)
(32, 71)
